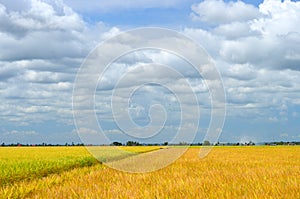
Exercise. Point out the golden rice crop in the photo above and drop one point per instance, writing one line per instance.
(227, 172)
(25, 163)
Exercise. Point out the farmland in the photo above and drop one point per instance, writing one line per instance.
(227, 172)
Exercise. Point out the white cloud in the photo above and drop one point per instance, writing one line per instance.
(256, 52)
(219, 12)
(39, 16)
(272, 32)
(42, 45)
(240, 71)
(235, 30)
(280, 18)
(111, 33)
(47, 31)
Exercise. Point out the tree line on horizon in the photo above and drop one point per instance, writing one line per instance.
(135, 143)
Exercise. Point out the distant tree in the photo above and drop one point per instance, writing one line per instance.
(3, 144)
(117, 144)
(132, 143)
(166, 143)
(206, 143)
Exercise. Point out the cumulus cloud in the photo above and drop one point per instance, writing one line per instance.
(47, 31)
(257, 53)
(40, 16)
(42, 46)
(235, 30)
(219, 12)
(268, 39)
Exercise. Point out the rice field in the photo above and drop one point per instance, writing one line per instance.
(26, 163)
(227, 172)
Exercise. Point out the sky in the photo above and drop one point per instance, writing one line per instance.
(254, 45)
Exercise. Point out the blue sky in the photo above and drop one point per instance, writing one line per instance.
(255, 46)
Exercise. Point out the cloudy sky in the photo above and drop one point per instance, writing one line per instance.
(255, 46)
